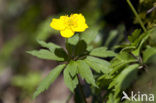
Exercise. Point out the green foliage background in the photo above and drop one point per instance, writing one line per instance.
(113, 55)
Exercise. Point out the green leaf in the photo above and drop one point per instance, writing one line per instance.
(124, 79)
(59, 52)
(128, 48)
(90, 47)
(113, 99)
(70, 83)
(74, 40)
(71, 44)
(55, 49)
(73, 68)
(140, 41)
(102, 52)
(121, 60)
(134, 35)
(45, 54)
(80, 48)
(48, 80)
(90, 34)
(51, 46)
(85, 72)
(153, 37)
(99, 65)
(143, 38)
(149, 52)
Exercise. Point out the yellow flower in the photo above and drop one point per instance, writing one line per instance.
(68, 25)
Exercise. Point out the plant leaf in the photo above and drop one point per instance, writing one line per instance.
(140, 41)
(54, 49)
(70, 83)
(134, 35)
(80, 48)
(73, 68)
(148, 53)
(74, 40)
(85, 72)
(45, 54)
(113, 99)
(121, 60)
(102, 52)
(71, 45)
(99, 65)
(51, 46)
(124, 79)
(48, 80)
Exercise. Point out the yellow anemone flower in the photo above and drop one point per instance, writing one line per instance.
(68, 25)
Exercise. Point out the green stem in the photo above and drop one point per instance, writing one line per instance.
(136, 14)
(81, 90)
(66, 42)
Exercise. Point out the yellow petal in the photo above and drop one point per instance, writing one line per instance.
(80, 28)
(80, 23)
(67, 33)
(64, 18)
(57, 24)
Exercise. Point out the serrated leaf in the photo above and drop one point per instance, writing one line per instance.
(48, 80)
(128, 48)
(134, 35)
(144, 38)
(149, 52)
(55, 49)
(121, 60)
(99, 65)
(45, 54)
(124, 79)
(102, 52)
(73, 68)
(51, 46)
(70, 83)
(85, 72)
(140, 41)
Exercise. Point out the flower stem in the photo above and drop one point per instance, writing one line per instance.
(136, 14)
(67, 47)
(81, 90)
(66, 42)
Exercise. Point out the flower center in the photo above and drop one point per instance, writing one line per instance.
(72, 23)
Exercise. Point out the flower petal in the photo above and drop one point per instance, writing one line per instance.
(80, 21)
(64, 18)
(67, 33)
(57, 24)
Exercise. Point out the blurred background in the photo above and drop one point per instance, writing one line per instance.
(22, 22)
